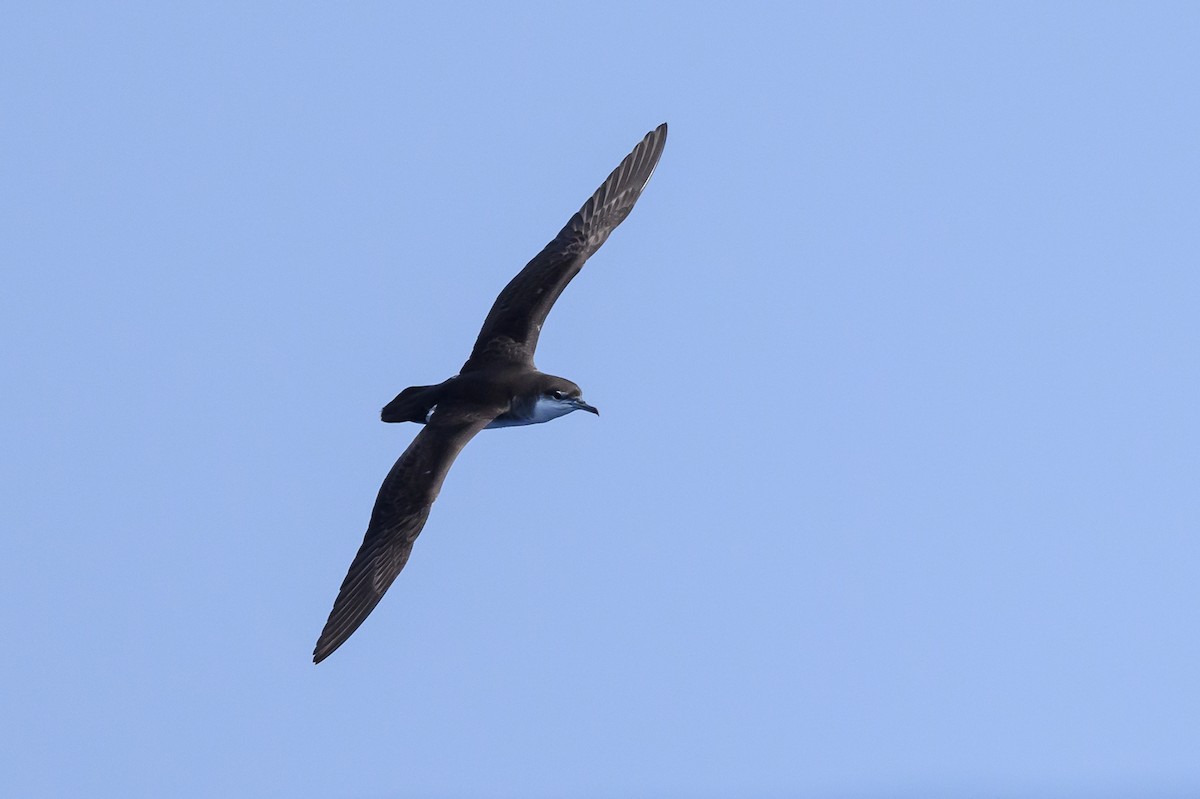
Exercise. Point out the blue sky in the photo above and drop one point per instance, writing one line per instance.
(895, 488)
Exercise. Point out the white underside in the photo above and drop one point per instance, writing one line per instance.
(544, 409)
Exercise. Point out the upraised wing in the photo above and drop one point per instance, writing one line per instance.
(403, 505)
(510, 332)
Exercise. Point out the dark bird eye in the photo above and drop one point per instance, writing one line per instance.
(558, 395)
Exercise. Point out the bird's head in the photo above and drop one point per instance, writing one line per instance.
(558, 396)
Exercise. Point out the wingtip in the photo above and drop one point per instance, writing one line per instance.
(652, 147)
(331, 639)
(326, 647)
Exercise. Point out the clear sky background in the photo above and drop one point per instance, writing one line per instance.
(894, 491)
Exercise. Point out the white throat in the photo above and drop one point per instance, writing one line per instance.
(547, 408)
(544, 409)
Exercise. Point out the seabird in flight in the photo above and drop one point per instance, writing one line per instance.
(498, 386)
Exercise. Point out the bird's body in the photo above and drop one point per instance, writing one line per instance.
(523, 390)
(498, 386)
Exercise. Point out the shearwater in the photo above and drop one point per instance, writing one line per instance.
(498, 386)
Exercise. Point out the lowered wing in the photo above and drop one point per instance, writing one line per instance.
(403, 505)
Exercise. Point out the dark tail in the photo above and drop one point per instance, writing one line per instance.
(411, 405)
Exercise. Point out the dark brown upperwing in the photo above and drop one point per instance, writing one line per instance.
(400, 512)
(510, 332)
